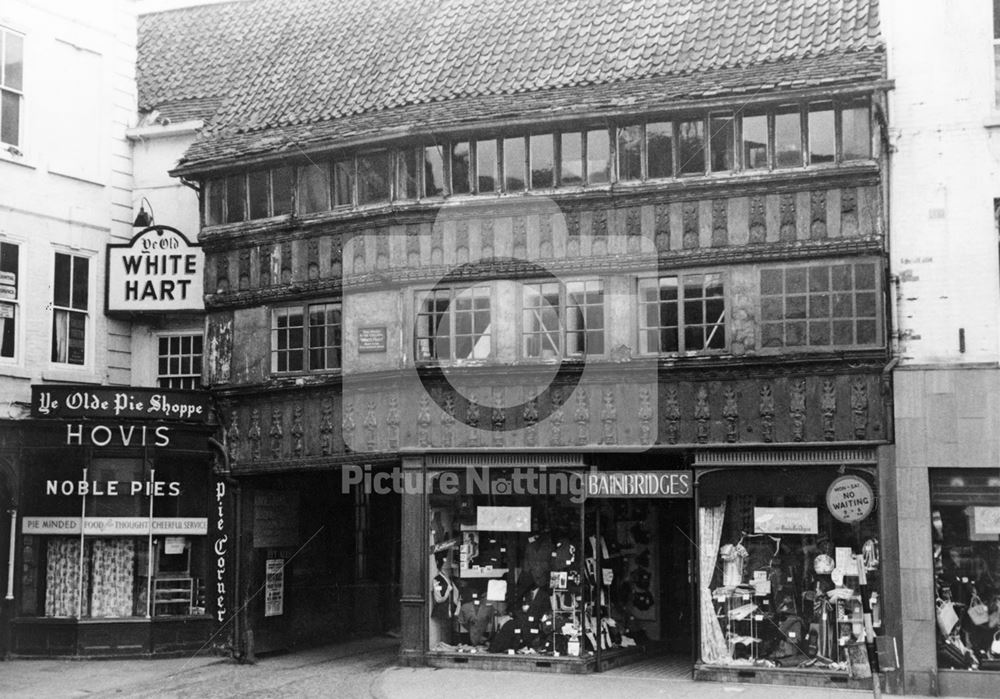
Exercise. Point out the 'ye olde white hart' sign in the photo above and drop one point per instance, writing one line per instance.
(159, 270)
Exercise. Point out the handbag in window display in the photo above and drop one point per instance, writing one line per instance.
(783, 587)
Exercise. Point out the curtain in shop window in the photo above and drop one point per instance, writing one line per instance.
(113, 571)
(713, 643)
(62, 577)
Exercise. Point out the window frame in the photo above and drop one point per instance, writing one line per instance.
(220, 191)
(71, 310)
(19, 93)
(306, 349)
(996, 54)
(13, 303)
(421, 295)
(878, 318)
(179, 380)
(682, 351)
(564, 293)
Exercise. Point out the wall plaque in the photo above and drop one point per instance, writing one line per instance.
(372, 339)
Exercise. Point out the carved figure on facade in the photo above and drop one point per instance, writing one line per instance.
(786, 231)
(828, 408)
(286, 262)
(486, 238)
(766, 412)
(254, 435)
(848, 211)
(582, 416)
(312, 258)
(233, 437)
(599, 224)
(645, 415)
(545, 235)
(520, 237)
(817, 214)
(633, 226)
(662, 226)
(277, 432)
(437, 244)
(689, 213)
(243, 267)
(423, 421)
(326, 427)
(720, 222)
(221, 273)
(672, 414)
(731, 412)
(448, 420)
(498, 418)
(265, 265)
(461, 241)
(392, 422)
(702, 413)
(297, 431)
(797, 409)
(556, 418)
(371, 426)
(859, 409)
(530, 416)
(336, 256)
(609, 417)
(758, 219)
(382, 251)
(348, 424)
(472, 420)
(413, 245)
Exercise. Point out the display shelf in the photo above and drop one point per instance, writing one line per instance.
(173, 595)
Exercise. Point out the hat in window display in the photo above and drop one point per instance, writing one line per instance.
(642, 560)
(642, 600)
(639, 534)
(824, 564)
(640, 577)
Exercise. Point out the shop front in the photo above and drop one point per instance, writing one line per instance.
(789, 561)
(718, 565)
(552, 562)
(965, 528)
(122, 539)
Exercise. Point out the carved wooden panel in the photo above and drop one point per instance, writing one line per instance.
(303, 428)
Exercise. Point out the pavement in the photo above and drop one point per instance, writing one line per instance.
(352, 670)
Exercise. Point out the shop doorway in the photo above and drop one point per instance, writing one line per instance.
(648, 557)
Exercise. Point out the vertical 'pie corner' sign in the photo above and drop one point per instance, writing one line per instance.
(158, 270)
(850, 498)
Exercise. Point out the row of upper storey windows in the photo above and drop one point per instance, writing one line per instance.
(811, 307)
(784, 137)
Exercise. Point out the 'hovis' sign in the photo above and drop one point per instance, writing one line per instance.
(159, 270)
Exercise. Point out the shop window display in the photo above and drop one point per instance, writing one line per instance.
(528, 575)
(102, 575)
(966, 556)
(781, 575)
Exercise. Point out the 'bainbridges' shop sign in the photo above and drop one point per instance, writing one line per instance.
(72, 401)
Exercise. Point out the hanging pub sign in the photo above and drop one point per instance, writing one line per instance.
(158, 270)
(638, 484)
(850, 499)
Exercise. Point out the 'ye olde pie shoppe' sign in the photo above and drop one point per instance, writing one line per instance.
(91, 402)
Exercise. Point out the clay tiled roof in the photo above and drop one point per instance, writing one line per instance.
(303, 73)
